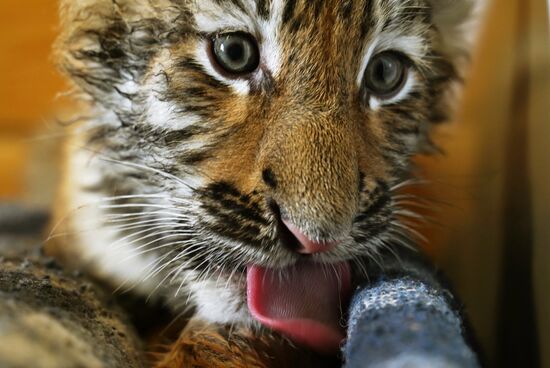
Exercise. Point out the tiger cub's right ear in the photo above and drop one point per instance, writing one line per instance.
(105, 46)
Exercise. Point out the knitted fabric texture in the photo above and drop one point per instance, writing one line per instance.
(403, 322)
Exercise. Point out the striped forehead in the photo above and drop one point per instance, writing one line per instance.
(212, 15)
(282, 26)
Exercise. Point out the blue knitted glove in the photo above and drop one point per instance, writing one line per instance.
(405, 323)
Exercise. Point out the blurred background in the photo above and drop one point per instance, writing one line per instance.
(490, 188)
(29, 85)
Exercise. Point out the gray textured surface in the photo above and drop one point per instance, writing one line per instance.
(403, 322)
(50, 318)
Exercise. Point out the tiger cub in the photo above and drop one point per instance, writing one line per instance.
(241, 158)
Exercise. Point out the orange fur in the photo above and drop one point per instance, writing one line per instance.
(203, 345)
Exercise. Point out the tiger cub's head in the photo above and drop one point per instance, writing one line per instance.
(249, 149)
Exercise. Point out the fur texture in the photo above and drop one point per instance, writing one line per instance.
(180, 175)
(206, 345)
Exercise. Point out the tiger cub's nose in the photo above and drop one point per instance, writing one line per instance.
(308, 246)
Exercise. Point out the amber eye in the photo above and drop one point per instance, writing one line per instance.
(386, 75)
(236, 53)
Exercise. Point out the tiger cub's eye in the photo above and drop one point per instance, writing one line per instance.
(386, 75)
(236, 53)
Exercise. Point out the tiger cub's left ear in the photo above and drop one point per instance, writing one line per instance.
(458, 22)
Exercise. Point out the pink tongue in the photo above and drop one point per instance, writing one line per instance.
(304, 302)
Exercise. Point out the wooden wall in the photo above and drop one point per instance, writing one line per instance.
(28, 85)
(539, 167)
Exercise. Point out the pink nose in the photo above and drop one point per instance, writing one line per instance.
(309, 246)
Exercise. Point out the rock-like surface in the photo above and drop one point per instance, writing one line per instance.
(51, 318)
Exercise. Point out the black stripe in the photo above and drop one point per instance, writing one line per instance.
(317, 7)
(361, 182)
(190, 64)
(235, 209)
(406, 113)
(263, 8)
(218, 190)
(382, 186)
(243, 211)
(195, 158)
(231, 229)
(288, 12)
(196, 91)
(415, 130)
(378, 205)
(345, 9)
(397, 151)
(182, 135)
(201, 109)
(368, 22)
(296, 25)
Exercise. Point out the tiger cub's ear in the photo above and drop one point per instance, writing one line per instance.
(458, 23)
(105, 46)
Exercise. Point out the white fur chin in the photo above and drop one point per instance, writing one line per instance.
(120, 264)
(117, 263)
(218, 303)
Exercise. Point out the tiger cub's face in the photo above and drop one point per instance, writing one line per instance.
(244, 153)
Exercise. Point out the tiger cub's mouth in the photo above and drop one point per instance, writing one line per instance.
(306, 301)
